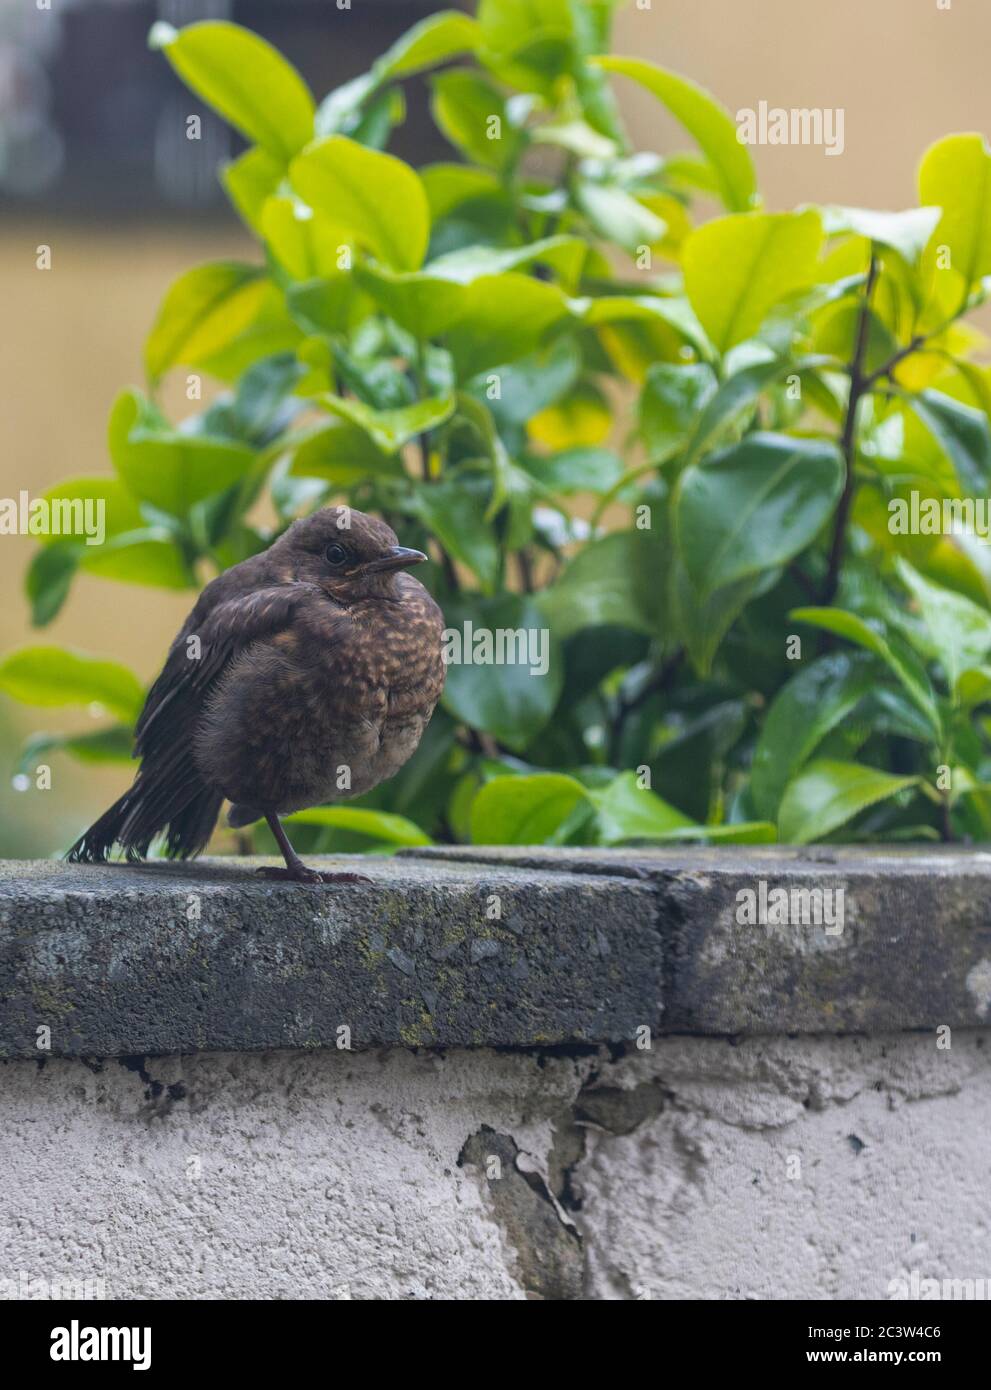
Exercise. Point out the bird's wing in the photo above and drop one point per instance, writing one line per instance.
(211, 638)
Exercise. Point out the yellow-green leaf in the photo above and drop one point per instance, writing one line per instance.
(709, 124)
(244, 78)
(955, 174)
(250, 180)
(828, 794)
(203, 311)
(524, 810)
(378, 197)
(378, 825)
(61, 676)
(737, 268)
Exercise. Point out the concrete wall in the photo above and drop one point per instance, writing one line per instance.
(619, 1089)
(809, 1168)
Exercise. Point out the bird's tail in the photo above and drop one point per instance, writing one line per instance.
(138, 816)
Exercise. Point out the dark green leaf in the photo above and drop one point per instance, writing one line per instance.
(828, 794)
(813, 702)
(510, 699)
(753, 506)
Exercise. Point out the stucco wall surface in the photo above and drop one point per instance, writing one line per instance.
(789, 1168)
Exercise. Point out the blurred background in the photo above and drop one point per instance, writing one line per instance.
(94, 163)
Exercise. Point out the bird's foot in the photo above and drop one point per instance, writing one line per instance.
(302, 874)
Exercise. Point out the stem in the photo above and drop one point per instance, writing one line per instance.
(946, 821)
(917, 342)
(526, 570)
(848, 439)
(447, 565)
(658, 681)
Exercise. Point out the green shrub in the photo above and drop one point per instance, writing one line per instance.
(682, 450)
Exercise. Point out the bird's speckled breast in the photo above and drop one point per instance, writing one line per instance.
(325, 712)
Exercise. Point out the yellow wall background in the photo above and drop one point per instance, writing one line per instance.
(904, 71)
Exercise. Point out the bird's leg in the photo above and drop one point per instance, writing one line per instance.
(296, 871)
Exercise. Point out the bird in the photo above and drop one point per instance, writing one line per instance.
(304, 674)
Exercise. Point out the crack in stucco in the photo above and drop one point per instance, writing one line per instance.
(547, 1245)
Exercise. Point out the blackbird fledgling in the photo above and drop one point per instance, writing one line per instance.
(304, 674)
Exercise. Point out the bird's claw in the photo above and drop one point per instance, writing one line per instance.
(306, 875)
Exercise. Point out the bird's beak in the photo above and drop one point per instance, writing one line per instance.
(397, 557)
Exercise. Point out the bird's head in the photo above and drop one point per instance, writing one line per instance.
(349, 554)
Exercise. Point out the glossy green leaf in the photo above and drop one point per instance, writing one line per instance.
(377, 825)
(617, 216)
(428, 302)
(243, 77)
(450, 186)
(344, 454)
(169, 469)
(505, 670)
(675, 311)
(49, 579)
(854, 629)
(738, 268)
(627, 811)
(575, 470)
(974, 687)
(306, 243)
(453, 510)
(530, 384)
(471, 112)
(955, 174)
(433, 40)
(327, 306)
(701, 623)
(754, 506)
(424, 304)
(378, 197)
(816, 699)
(203, 311)
(906, 232)
(577, 137)
(389, 430)
(505, 317)
(709, 124)
(270, 330)
(525, 810)
(828, 794)
(250, 180)
(960, 631)
(111, 745)
(617, 579)
(528, 43)
(82, 498)
(147, 555)
(671, 400)
(963, 435)
(61, 676)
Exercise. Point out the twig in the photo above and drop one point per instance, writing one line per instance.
(658, 681)
(526, 570)
(848, 439)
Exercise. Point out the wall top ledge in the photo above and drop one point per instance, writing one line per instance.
(492, 947)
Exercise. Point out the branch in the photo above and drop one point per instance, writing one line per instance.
(848, 439)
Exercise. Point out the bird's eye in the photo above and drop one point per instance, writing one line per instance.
(335, 555)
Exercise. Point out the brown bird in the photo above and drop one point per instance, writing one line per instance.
(305, 674)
